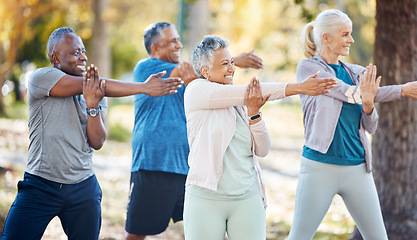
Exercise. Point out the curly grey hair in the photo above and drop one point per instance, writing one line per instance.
(56, 37)
(204, 52)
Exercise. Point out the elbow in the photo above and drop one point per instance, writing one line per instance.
(372, 130)
(97, 144)
(262, 151)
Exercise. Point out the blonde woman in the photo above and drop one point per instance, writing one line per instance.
(337, 156)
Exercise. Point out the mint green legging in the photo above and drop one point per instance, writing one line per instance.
(206, 219)
(319, 182)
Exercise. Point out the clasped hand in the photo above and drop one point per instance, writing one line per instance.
(369, 86)
(253, 97)
(94, 89)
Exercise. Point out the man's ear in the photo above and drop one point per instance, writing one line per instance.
(55, 58)
(154, 49)
(205, 72)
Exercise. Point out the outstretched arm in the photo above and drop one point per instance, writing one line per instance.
(248, 60)
(409, 90)
(203, 94)
(154, 86)
(311, 86)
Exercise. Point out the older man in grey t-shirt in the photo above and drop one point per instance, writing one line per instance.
(67, 121)
(58, 131)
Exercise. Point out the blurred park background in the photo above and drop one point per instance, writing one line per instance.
(112, 33)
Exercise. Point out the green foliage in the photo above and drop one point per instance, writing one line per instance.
(277, 24)
(124, 57)
(118, 132)
(362, 14)
(15, 109)
(33, 48)
(306, 13)
(271, 27)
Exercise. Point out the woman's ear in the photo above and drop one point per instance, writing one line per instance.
(325, 37)
(205, 72)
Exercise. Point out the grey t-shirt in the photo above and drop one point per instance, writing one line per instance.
(59, 150)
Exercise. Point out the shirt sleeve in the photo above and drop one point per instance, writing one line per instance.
(370, 122)
(261, 138)
(43, 80)
(203, 94)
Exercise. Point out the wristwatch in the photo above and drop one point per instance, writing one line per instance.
(93, 111)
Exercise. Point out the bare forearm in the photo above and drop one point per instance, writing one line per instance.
(368, 102)
(311, 86)
(409, 90)
(293, 89)
(96, 131)
(115, 88)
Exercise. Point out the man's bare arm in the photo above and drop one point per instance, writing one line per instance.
(154, 86)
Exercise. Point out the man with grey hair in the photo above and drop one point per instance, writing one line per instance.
(159, 141)
(67, 122)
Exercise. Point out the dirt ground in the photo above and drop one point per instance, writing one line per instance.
(112, 166)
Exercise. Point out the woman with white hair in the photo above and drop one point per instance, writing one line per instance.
(224, 188)
(336, 157)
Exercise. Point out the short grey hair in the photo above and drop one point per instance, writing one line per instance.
(153, 32)
(204, 52)
(56, 38)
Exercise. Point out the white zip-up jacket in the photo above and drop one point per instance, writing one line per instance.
(321, 112)
(211, 124)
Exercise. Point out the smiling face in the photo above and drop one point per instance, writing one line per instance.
(70, 55)
(338, 43)
(223, 67)
(167, 48)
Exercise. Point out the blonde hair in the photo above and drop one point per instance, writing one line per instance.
(326, 22)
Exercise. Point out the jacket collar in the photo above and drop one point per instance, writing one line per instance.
(352, 69)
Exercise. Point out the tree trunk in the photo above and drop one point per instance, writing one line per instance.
(395, 142)
(199, 15)
(100, 54)
(2, 80)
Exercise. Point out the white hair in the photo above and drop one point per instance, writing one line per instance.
(328, 22)
(204, 52)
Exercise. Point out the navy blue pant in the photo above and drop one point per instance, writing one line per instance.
(39, 200)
